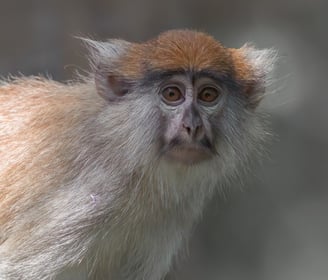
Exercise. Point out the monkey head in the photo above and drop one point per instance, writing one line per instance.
(195, 100)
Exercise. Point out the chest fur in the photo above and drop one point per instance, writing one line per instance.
(145, 230)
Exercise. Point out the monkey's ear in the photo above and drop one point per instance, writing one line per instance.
(254, 70)
(104, 60)
(109, 85)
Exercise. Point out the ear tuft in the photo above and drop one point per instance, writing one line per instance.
(261, 61)
(104, 60)
(259, 68)
(105, 52)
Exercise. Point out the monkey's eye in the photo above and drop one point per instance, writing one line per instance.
(208, 94)
(172, 95)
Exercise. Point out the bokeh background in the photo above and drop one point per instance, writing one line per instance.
(274, 227)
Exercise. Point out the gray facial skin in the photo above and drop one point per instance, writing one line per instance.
(188, 134)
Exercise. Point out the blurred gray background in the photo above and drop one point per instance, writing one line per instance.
(275, 226)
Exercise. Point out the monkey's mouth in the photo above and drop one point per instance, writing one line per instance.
(189, 152)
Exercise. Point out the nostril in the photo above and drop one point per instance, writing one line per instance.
(199, 131)
(187, 128)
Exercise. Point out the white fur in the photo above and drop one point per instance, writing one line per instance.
(262, 61)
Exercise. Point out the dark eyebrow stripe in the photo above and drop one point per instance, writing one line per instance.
(157, 76)
(224, 79)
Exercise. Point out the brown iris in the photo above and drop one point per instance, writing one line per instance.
(208, 95)
(172, 95)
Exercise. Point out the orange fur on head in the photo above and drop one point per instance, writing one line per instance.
(185, 50)
(177, 50)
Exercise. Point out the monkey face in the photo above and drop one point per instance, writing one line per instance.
(188, 102)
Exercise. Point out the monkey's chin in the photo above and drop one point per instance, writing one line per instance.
(188, 154)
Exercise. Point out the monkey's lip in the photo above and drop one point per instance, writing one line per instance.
(189, 153)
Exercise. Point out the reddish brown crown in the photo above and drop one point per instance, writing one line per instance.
(183, 50)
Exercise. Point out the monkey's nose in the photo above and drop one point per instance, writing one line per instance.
(194, 131)
(192, 123)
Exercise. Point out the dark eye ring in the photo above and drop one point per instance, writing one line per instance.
(172, 95)
(209, 95)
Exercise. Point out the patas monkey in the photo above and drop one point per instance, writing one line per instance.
(104, 178)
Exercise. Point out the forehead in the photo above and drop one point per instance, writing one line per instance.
(186, 51)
